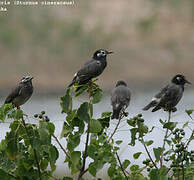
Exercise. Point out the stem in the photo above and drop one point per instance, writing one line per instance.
(120, 117)
(34, 150)
(123, 170)
(61, 146)
(164, 143)
(190, 139)
(82, 171)
(149, 154)
(183, 172)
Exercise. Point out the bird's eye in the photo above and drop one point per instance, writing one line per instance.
(99, 54)
(178, 78)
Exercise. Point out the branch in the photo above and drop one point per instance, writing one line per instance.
(61, 146)
(164, 143)
(189, 140)
(82, 171)
(149, 154)
(120, 117)
(123, 170)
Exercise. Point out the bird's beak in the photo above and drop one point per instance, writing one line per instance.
(110, 52)
(31, 78)
(186, 81)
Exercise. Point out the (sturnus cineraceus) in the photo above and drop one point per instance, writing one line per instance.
(169, 96)
(120, 98)
(21, 93)
(92, 68)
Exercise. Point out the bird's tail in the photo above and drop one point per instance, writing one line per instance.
(156, 108)
(115, 114)
(151, 104)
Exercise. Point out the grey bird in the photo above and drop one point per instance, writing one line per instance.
(21, 93)
(92, 68)
(120, 99)
(169, 96)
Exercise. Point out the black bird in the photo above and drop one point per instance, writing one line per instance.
(22, 92)
(120, 98)
(92, 68)
(169, 96)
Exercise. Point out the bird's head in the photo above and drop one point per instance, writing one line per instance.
(179, 79)
(121, 83)
(101, 54)
(26, 79)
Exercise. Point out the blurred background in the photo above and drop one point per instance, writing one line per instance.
(152, 41)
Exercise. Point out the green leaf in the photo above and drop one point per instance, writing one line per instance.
(119, 142)
(133, 136)
(136, 155)
(66, 102)
(157, 152)
(92, 169)
(5, 176)
(95, 126)
(148, 143)
(170, 125)
(80, 89)
(51, 128)
(154, 174)
(97, 96)
(131, 122)
(75, 157)
(134, 168)
(66, 130)
(111, 170)
(126, 163)
(185, 125)
(44, 164)
(189, 112)
(83, 112)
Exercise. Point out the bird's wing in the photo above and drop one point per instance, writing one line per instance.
(169, 94)
(89, 70)
(15, 92)
(120, 96)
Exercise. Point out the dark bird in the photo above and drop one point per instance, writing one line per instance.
(120, 98)
(92, 68)
(22, 92)
(169, 96)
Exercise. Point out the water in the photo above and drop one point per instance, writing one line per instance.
(52, 107)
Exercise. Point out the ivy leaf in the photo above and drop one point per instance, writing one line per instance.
(136, 155)
(5, 176)
(51, 128)
(134, 168)
(83, 112)
(154, 174)
(170, 125)
(67, 178)
(157, 152)
(95, 126)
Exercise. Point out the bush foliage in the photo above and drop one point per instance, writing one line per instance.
(27, 152)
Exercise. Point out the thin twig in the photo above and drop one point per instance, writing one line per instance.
(149, 154)
(164, 143)
(61, 146)
(82, 171)
(120, 117)
(34, 150)
(190, 139)
(123, 170)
